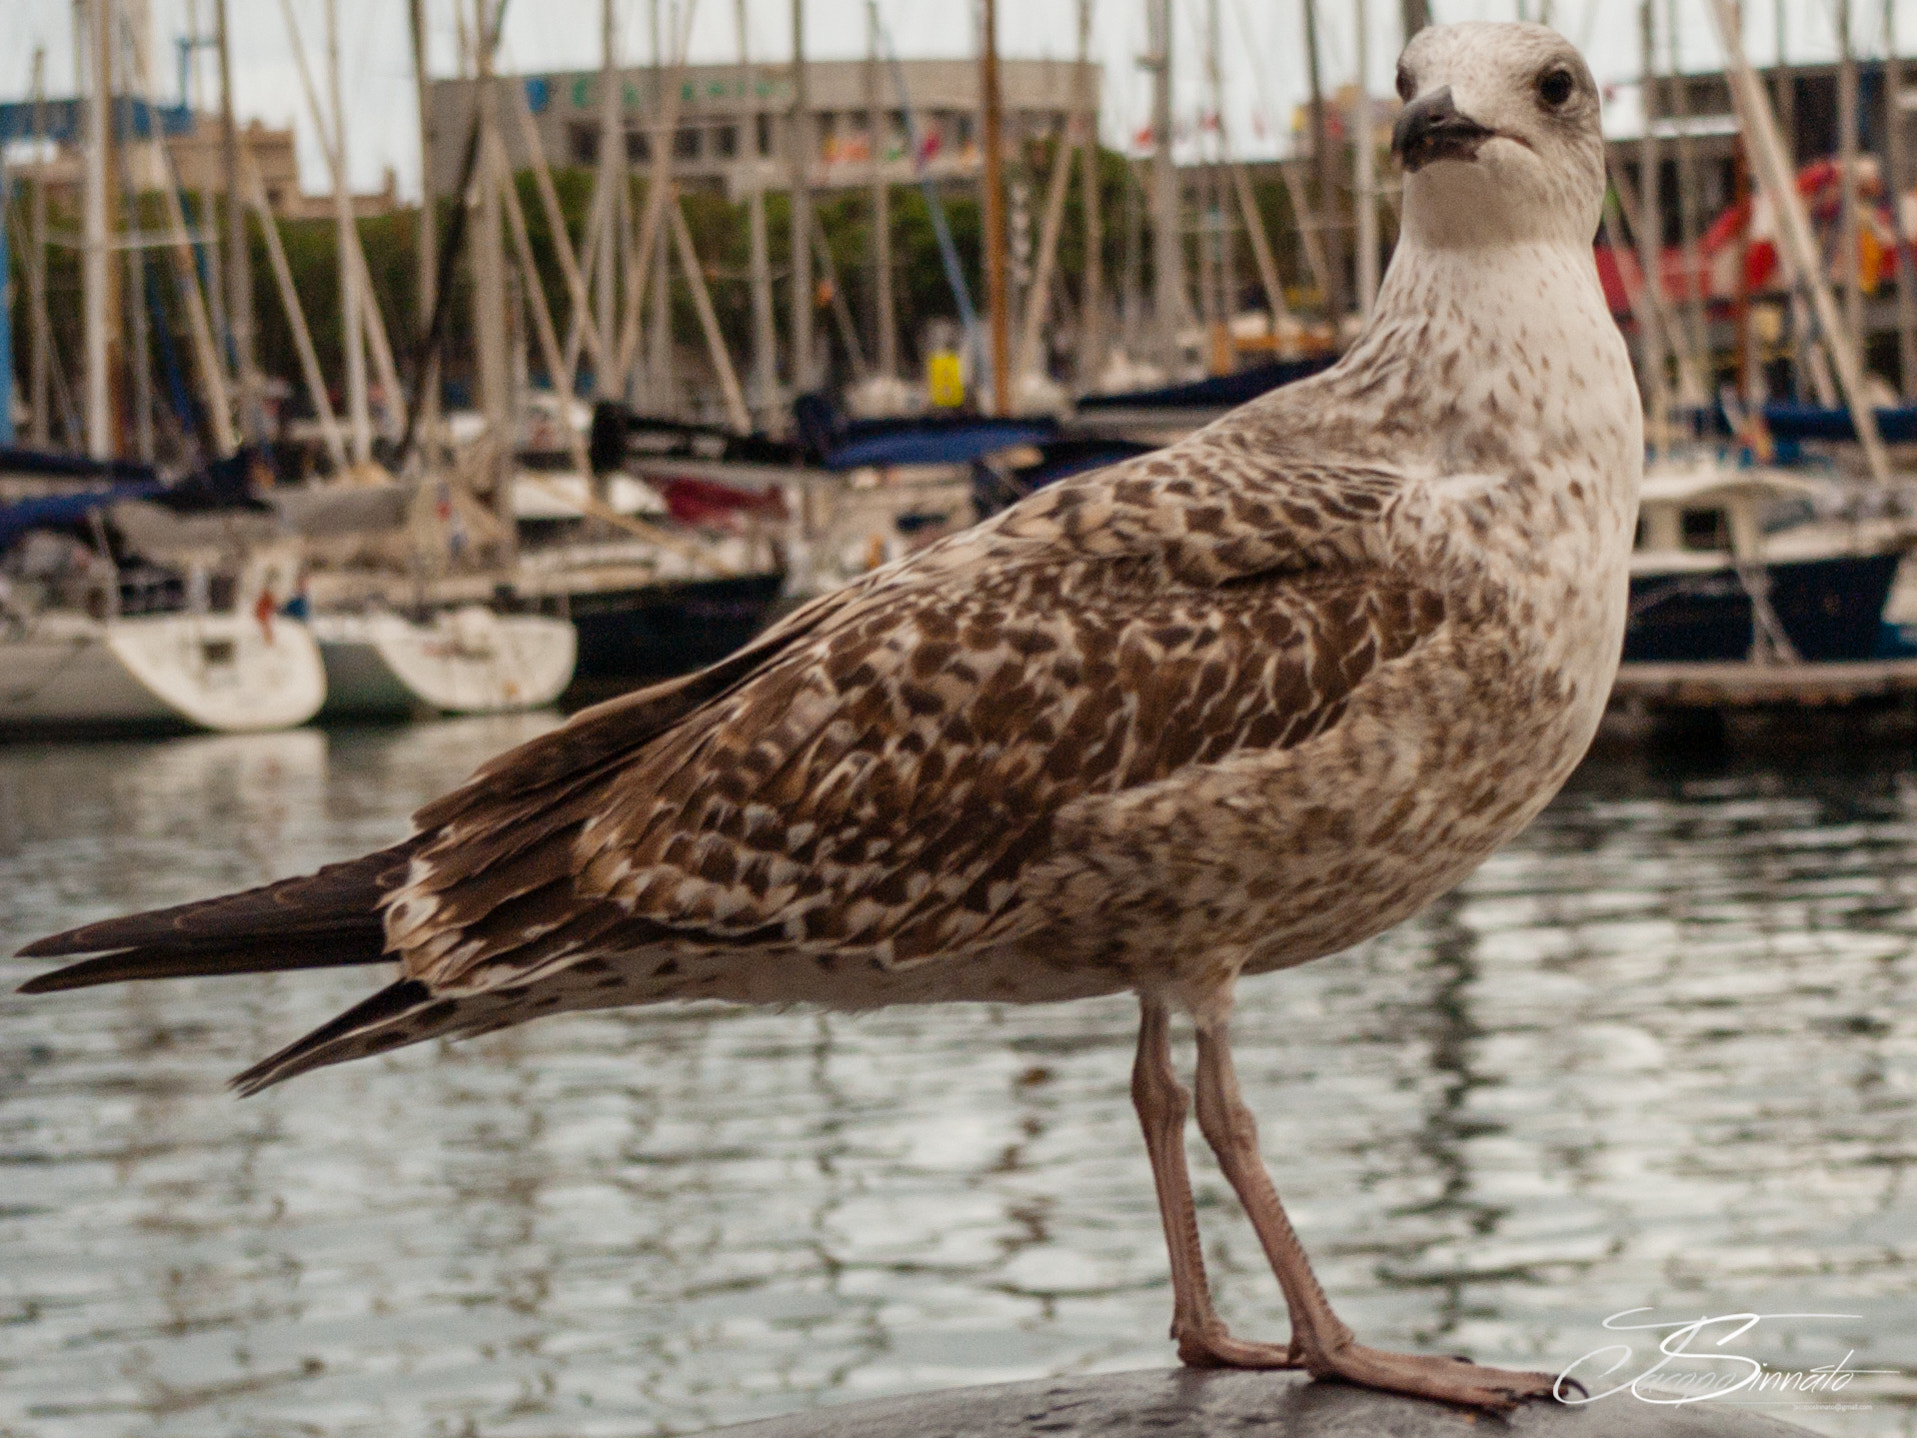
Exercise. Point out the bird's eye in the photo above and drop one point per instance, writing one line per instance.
(1406, 86)
(1555, 87)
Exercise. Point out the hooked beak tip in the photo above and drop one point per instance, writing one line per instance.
(1432, 128)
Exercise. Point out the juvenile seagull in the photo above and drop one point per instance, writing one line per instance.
(1212, 712)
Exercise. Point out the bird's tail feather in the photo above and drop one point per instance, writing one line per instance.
(334, 948)
(322, 920)
(399, 1014)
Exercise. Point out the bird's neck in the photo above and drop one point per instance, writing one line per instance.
(1491, 357)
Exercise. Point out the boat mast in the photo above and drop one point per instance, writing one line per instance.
(1168, 254)
(1786, 90)
(659, 368)
(608, 209)
(295, 314)
(489, 292)
(131, 83)
(994, 216)
(208, 253)
(39, 374)
(1038, 299)
(799, 141)
(1650, 240)
(239, 265)
(1848, 236)
(1091, 307)
(1327, 181)
(97, 270)
(1697, 335)
(352, 318)
(1760, 129)
(884, 318)
(1899, 180)
(427, 400)
(1366, 171)
(1212, 282)
(1131, 278)
(765, 336)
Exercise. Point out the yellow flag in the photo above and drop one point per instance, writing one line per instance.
(944, 379)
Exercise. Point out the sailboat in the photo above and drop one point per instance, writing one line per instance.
(89, 642)
(468, 660)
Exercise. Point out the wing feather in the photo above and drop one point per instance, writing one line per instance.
(880, 771)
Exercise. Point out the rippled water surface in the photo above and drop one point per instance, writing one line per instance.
(1662, 1052)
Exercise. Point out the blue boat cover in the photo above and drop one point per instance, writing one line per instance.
(57, 511)
(838, 443)
(223, 484)
(46, 464)
(934, 441)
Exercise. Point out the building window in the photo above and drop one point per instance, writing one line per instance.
(725, 141)
(639, 146)
(764, 138)
(685, 143)
(582, 143)
(966, 125)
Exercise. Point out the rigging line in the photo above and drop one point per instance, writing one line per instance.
(425, 347)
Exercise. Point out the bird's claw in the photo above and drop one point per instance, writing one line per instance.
(1450, 1380)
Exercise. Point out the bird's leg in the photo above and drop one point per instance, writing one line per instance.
(1320, 1339)
(1162, 1103)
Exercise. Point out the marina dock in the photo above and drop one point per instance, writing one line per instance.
(1753, 686)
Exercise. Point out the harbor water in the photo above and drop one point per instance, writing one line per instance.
(1659, 1054)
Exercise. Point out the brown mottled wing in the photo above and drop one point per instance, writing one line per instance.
(884, 787)
(879, 771)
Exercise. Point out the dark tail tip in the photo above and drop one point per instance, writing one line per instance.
(332, 1042)
(48, 948)
(51, 983)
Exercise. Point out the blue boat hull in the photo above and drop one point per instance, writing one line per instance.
(1897, 424)
(1831, 609)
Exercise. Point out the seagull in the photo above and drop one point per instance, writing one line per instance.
(1218, 710)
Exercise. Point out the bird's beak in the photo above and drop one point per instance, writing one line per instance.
(1431, 128)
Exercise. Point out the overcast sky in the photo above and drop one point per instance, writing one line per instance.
(1263, 69)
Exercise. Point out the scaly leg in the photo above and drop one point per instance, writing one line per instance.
(1203, 1340)
(1323, 1343)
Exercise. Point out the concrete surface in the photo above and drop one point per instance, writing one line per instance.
(1185, 1403)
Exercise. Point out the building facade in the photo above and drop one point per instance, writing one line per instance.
(193, 144)
(733, 126)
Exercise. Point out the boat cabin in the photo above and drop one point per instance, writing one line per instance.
(1705, 516)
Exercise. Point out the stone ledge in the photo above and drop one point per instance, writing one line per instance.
(1186, 1403)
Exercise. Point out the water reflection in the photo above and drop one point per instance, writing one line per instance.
(1660, 1053)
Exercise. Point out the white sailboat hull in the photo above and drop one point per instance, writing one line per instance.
(231, 673)
(468, 661)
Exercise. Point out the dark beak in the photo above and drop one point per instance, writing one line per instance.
(1430, 128)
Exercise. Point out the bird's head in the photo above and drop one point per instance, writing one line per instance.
(1499, 136)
